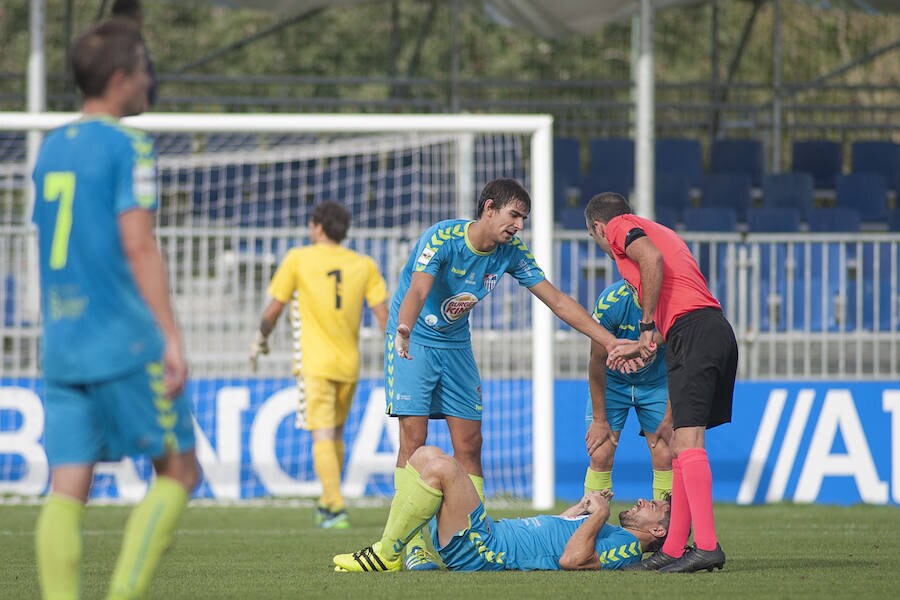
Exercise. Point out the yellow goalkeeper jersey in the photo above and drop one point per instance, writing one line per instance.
(331, 283)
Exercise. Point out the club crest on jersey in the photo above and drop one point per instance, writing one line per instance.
(426, 256)
(457, 306)
(490, 281)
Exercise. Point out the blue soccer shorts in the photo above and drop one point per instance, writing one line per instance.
(107, 420)
(436, 383)
(647, 400)
(466, 549)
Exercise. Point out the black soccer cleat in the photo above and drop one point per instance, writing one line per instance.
(654, 562)
(697, 560)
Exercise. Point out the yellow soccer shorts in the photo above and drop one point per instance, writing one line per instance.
(324, 403)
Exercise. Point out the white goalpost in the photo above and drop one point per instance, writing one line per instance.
(236, 192)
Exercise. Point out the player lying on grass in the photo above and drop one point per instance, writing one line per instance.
(439, 490)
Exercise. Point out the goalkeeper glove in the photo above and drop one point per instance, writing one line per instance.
(260, 345)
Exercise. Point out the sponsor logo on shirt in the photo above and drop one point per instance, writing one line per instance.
(456, 271)
(456, 306)
(490, 281)
(426, 256)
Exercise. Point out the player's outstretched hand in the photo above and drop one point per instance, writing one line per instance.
(259, 345)
(401, 341)
(175, 373)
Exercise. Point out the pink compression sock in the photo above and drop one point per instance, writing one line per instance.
(698, 485)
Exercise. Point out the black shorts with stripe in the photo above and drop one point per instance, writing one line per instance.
(701, 359)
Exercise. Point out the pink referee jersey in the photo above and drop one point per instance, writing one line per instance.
(684, 288)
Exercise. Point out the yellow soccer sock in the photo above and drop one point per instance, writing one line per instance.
(58, 547)
(414, 503)
(662, 484)
(148, 534)
(328, 470)
(478, 482)
(340, 451)
(594, 481)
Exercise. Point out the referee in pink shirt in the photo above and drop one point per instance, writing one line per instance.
(701, 359)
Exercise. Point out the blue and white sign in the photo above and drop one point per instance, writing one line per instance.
(823, 442)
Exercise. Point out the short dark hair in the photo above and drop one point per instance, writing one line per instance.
(503, 191)
(127, 8)
(603, 207)
(102, 50)
(334, 219)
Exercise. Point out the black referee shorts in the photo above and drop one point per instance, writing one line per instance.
(701, 359)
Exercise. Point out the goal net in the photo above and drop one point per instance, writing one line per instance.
(236, 192)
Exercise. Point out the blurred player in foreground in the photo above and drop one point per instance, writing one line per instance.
(331, 283)
(454, 265)
(112, 351)
(614, 393)
(701, 362)
(438, 490)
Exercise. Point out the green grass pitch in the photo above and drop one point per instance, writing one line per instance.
(775, 551)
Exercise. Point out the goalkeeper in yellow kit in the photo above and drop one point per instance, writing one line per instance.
(328, 284)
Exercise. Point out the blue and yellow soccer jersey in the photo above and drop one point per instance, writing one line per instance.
(618, 311)
(530, 544)
(537, 543)
(462, 277)
(96, 324)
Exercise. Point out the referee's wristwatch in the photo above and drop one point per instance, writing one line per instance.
(646, 326)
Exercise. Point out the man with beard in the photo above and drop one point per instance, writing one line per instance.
(439, 492)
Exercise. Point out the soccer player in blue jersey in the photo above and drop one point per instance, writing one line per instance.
(438, 490)
(613, 393)
(111, 351)
(430, 371)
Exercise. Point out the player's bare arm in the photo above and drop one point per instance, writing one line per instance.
(650, 262)
(136, 230)
(419, 288)
(598, 432)
(580, 553)
(260, 344)
(572, 313)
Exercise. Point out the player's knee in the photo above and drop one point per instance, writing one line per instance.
(183, 468)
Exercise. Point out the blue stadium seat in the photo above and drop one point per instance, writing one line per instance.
(717, 218)
(874, 156)
(595, 183)
(672, 191)
(738, 156)
(566, 169)
(820, 158)
(666, 216)
(730, 190)
(893, 220)
(832, 219)
(788, 190)
(614, 157)
(572, 217)
(865, 192)
(771, 220)
(680, 156)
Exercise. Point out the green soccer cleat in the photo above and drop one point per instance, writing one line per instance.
(420, 559)
(367, 560)
(326, 519)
